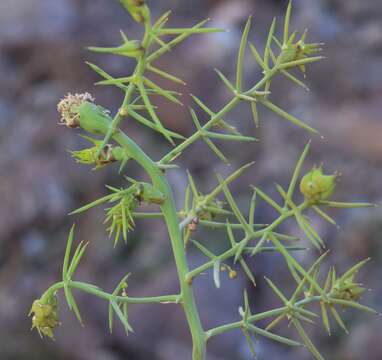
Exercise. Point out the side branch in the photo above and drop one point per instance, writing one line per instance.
(299, 305)
(232, 251)
(260, 316)
(95, 290)
(198, 134)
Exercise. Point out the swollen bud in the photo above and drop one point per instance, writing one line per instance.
(316, 186)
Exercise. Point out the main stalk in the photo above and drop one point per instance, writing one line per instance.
(101, 125)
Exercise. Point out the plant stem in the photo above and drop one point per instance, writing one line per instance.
(171, 218)
(218, 116)
(261, 316)
(138, 73)
(231, 252)
(101, 125)
(214, 119)
(110, 130)
(94, 290)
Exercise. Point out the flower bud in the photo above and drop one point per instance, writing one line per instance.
(232, 274)
(45, 316)
(316, 186)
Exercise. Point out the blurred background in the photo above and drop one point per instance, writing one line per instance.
(42, 58)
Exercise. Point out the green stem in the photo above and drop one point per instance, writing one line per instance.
(214, 119)
(268, 76)
(110, 130)
(218, 116)
(171, 218)
(138, 74)
(118, 117)
(232, 251)
(94, 290)
(261, 316)
(101, 125)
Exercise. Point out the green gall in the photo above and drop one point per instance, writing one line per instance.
(93, 119)
(44, 314)
(316, 186)
(149, 194)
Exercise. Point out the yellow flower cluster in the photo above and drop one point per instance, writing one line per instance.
(45, 316)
